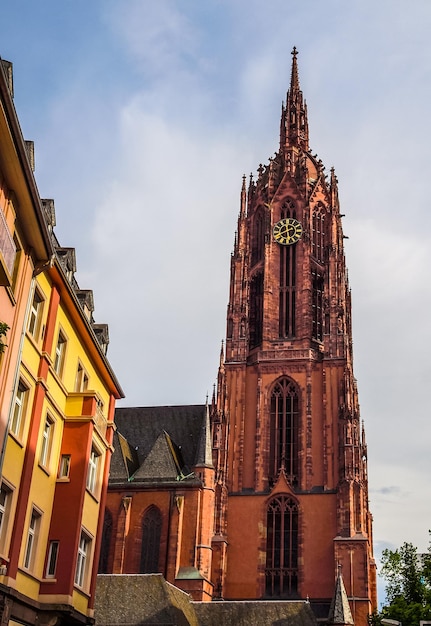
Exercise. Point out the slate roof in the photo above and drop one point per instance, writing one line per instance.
(147, 599)
(141, 599)
(158, 444)
(340, 613)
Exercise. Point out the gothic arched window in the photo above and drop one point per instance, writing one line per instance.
(258, 238)
(151, 533)
(318, 233)
(106, 543)
(281, 571)
(284, 431)
(287, 294)
(317, 306)
(256, 310)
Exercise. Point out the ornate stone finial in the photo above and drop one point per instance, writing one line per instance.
(340, 613)
(243, 208)
(222, 352)
(294, 81)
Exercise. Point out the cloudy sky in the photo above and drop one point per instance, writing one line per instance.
(145, 116)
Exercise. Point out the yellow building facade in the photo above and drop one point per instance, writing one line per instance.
(58, 404)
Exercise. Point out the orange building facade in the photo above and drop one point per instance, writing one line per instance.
(283, 502)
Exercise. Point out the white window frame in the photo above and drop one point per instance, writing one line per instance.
(81, 380)
(32, 538)
(19, 409)
(60, 353)
(5, 508)
(51, 561)
(35, 316)
(64, 466)
(93, 470)
(83, 559)
(46, 441)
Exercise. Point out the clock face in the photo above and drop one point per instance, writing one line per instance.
(287, 231)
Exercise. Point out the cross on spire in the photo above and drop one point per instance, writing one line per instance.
(294, 81)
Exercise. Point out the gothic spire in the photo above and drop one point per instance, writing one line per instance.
(204, 452)
(339, 613)
(294, 122)
(294, 79)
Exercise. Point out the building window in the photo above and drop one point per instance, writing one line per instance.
(93, 470)
(81, 380)
(284, 431)
(64, 467)
(287, 292)
(46, 444)
(258, 239)
(60, 352)
(82, 560)
(51, 563)
(17, 261)
(317, 306)
(19, 409)
(7, 250)
(5, 505)
(318, 234)
(35, 318)
(256, 310)
(32, 536)
(281, 570)
(151, 533)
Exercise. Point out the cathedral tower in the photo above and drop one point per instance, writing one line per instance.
(288, 445)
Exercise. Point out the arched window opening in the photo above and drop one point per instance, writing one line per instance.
(287, 293)
(256, 310)
(288, 209)
(317, 306)
(258, 240)
(358, 508)
(281, 572)
(318, 234)
(284, 431)
(151, 533)
(106, 543)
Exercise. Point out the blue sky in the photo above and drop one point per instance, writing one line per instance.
(145, 116)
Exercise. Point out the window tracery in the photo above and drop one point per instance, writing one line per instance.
(287, 292)
(281, 572)
(318, 233)
(284, 431)
(151, 534)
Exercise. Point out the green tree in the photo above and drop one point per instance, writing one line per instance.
(3, 330)
(408, 589)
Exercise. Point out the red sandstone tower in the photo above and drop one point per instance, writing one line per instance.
(288, 446)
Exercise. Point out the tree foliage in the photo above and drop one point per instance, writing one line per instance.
(408, 584)
(3, 330)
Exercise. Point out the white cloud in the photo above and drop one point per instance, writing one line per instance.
(143, 144)
(162, 234)
(159, 37)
